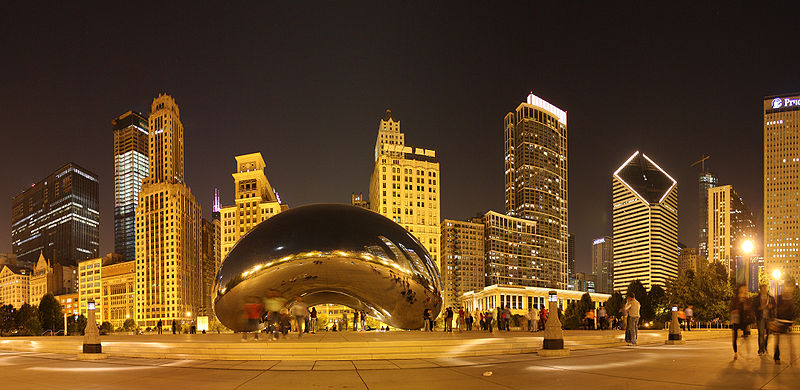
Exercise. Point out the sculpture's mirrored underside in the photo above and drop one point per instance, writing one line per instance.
(329, 253)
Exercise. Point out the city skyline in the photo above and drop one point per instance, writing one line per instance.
(687, 111)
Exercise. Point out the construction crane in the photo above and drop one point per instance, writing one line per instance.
(702, 162)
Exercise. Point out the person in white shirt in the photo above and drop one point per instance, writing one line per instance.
(632, 306)
(534, 324)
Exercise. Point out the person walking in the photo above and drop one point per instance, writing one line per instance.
(355, 321)
(632, 306)
(159, 325)
(344, 320)
(253, 310)
(784, 317)
(689, 316)
(589, 316)
(764, 308)
(299, 312)
(738, 310)
(363, 320)
(314, 320)
(602, 318)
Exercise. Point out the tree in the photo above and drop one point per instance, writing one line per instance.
(32, 326)
(640, 293)
(657, 309)
(683, 291)
(49, 313)
(25, 313)
(615, 304)
(106, 328)
(130, 325)
(715, 292)
(573, 316)
(7, 313)
(76, 325)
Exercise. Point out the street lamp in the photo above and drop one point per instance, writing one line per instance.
(747, 247)
(776, 274)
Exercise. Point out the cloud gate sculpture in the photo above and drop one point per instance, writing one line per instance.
(330, 253)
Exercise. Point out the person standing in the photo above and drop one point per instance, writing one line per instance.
(299, 312)
(344, 320)
(764, 307)
(602, 318)
(534, 319)
(355, 320)
(507, 318)
(461, 323)
(488, 318)
(632, 306)
(159, 325)
(174, 326)
(543, 316)
(363, 320)
(253, 310)
(426, 319)
(314, 320)
(738, 309)
(689, 316)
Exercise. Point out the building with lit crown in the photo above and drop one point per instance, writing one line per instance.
(463, 259)
(781, 166)
(131, 167)
(536, 180)
(168, 226)
(57, 216)
(14, 286)
(730, 223)
(255, 201)
(404, 185)
(645, 224)
(603, 263)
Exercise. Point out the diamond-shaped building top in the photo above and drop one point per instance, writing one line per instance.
(645, 178)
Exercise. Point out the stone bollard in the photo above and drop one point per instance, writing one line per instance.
(675, 329)
(553, 344)
(92, 349)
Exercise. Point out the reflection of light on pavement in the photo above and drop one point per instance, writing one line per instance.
(641, 359)
(89, 369)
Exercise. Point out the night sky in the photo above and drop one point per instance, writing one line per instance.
(307, 85)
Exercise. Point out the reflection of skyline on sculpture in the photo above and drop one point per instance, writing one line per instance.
(331, 254)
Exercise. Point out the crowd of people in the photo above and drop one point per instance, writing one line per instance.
(769, 315)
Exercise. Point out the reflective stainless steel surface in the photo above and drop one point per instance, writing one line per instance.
(330, 253)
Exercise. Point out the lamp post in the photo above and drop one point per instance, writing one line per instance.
(553, 343)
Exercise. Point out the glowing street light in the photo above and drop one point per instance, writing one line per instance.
(776, 274)
(747, 247)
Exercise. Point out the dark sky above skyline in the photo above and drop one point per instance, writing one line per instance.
(306, 86)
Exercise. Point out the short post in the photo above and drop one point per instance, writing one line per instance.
(92, 350)
(674, 329)
(553, 344)
(65, 324)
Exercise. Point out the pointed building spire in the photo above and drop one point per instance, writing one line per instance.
(217, 204)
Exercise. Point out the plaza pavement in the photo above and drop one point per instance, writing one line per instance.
(697, 364)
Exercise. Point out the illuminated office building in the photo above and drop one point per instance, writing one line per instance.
(358, 200)
(14, 286)
(69, 303)
(131, 167)
(110, 282)
(49, 277)
(255, 201)
(690, 259)
(404, 185)
(781, 167)
(645, 224)
(463, 259)
(168, 226)
(603, 264)
(209, 262)
(706, 182)
(730, 223)
(57, 216)
(535, 141)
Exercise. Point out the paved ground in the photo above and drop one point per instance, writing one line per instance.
(698, 364)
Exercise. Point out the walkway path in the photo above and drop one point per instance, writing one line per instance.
(697, 364)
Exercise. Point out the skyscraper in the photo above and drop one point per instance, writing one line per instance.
(781, 164)
(131, 167)
(59, 217)
(168, 220)
(730, 223)
(404, 185)
(645, 224)
(463, 259)
(603, 263)
(706, 181)
(535, 140)
(571, 255)
(255, 201)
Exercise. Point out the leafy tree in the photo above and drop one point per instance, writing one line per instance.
(657, 309)
(615, 304)
(49, 313)
(640, 293)
(106, 328)
(715, 294)
(573, 316)
(24, 313)
(76, 325)
(7, 313)
(32, 326)
(130, 325)
(683, 291)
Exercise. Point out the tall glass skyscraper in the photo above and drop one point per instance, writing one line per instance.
(130, 168)
(58, 217)
(535, 142)
(706, 182)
